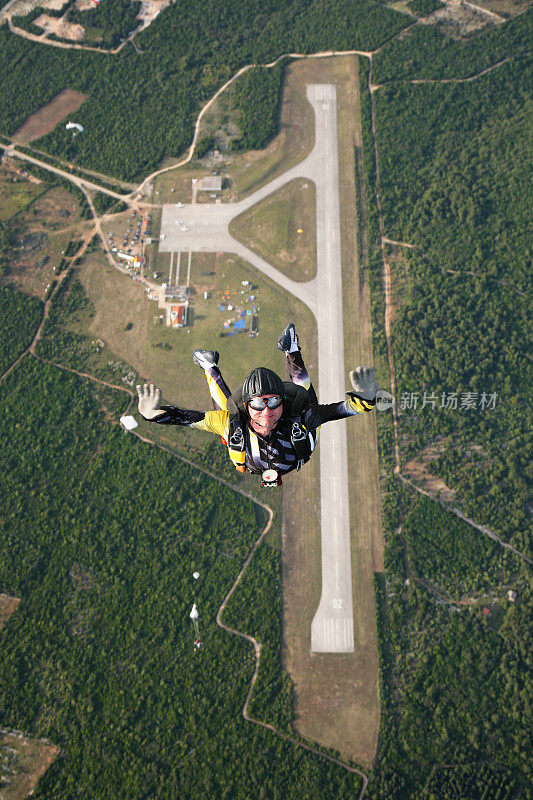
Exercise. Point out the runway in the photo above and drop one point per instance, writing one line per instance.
(208, 229)
(332, 626)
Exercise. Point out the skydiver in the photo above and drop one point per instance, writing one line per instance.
(269, 426)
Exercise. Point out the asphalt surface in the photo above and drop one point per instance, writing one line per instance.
(332, 626)
(205, 227)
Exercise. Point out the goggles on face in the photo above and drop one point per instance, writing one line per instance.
(259, 403)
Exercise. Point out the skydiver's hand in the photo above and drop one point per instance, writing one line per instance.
(149, 401)
(364, 384)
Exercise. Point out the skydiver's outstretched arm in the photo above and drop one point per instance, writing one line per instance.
(290, 345)
(218, 388)
(150, 409)
(361, 399)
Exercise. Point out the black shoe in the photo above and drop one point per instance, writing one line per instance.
(288, 341)
(205, 358)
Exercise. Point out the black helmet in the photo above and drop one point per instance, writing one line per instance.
(261, 380)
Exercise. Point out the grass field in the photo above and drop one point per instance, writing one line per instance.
(119, 300)
(14, 201)
(282, 229)
(16, 193)
(337, 701)
(53, 212)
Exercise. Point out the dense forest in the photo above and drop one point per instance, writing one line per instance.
(143, 107)
(425, 53)
(454, 691)
(20, 317)
(456, 186)
(453, 555)
(256, 98)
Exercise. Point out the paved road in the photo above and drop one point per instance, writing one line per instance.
(206, 227)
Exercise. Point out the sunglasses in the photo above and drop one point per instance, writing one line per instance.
(259, 403)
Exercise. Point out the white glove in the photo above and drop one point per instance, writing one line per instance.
(149, 401)
(364, 384)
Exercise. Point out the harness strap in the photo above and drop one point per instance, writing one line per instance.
(296, 399)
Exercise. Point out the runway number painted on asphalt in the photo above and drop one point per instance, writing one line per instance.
(337, 603)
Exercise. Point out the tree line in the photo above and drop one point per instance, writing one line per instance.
(20, 319)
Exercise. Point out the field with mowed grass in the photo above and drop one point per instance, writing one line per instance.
(163, 355)
(282, 229)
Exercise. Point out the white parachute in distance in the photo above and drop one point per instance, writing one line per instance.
(198, 644)
(129, 423)
(75, 125)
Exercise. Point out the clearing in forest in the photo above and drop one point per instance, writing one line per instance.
(46, 118)
(418, 470)
(7, 606)
(458, 20)
(42, 223)
(60, 27)
(23, 761)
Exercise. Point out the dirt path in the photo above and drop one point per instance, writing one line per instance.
(398, 244)
(42, 38)
(389, 311)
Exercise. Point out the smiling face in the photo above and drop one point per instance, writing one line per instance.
(264, 420)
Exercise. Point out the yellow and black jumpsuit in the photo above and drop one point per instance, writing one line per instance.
(275, 450)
